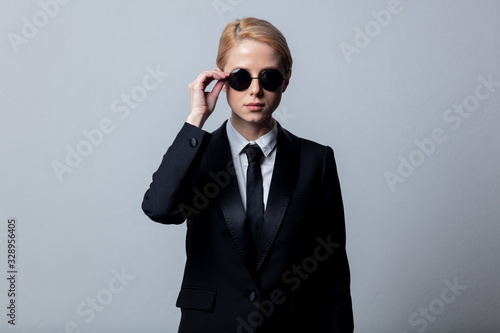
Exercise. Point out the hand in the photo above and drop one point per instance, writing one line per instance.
(203, 102)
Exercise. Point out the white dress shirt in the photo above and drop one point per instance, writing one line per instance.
(267, 143)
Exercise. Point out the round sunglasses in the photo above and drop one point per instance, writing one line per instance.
(270, 79)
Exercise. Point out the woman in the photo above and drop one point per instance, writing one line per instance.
(265, 225)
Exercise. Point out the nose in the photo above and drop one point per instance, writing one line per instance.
(255, 88)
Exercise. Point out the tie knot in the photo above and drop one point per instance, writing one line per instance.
(254, 153)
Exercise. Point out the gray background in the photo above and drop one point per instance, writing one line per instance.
(406, 243)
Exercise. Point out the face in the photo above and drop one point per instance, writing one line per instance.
(255, 57)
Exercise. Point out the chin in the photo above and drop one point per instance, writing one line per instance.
(256, 118)
(253, 117)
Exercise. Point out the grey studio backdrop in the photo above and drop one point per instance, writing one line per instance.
(93, 92)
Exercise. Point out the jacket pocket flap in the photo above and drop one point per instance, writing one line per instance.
(201, 299)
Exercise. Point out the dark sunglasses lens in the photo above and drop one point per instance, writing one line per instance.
(271, 79)
(239, 79)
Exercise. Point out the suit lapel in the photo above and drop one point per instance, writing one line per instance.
(283, 182)
(219, 159)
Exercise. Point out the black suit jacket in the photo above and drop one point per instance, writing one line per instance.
(297, 280)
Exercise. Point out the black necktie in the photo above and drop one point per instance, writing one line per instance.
(255, 194)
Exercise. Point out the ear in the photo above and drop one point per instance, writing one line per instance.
(217, 69)
(287, 80)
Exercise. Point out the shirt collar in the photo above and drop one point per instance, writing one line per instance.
(237, 141)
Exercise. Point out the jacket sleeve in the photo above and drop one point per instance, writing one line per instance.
(341, 316)
(170, 193)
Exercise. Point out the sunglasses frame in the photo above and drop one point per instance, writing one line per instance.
(262, 84)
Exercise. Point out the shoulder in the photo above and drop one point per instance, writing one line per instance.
(314, 157)
(308, 147)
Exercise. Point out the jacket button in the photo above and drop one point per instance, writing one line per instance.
(252, 297)
(193, 142)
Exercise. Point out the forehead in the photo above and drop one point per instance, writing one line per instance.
(252, 55)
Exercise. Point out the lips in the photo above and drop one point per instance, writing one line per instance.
(254, 106)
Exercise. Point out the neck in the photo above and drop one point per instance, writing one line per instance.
(252, 131)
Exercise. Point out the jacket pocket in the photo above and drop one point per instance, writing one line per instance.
(195, 298)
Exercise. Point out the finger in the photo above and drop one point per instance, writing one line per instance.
(218, 86)
(214, 94)
(208, 76)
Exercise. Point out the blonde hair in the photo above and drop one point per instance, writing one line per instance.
(258, 30)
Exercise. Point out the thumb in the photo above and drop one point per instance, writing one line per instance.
(214, 94)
